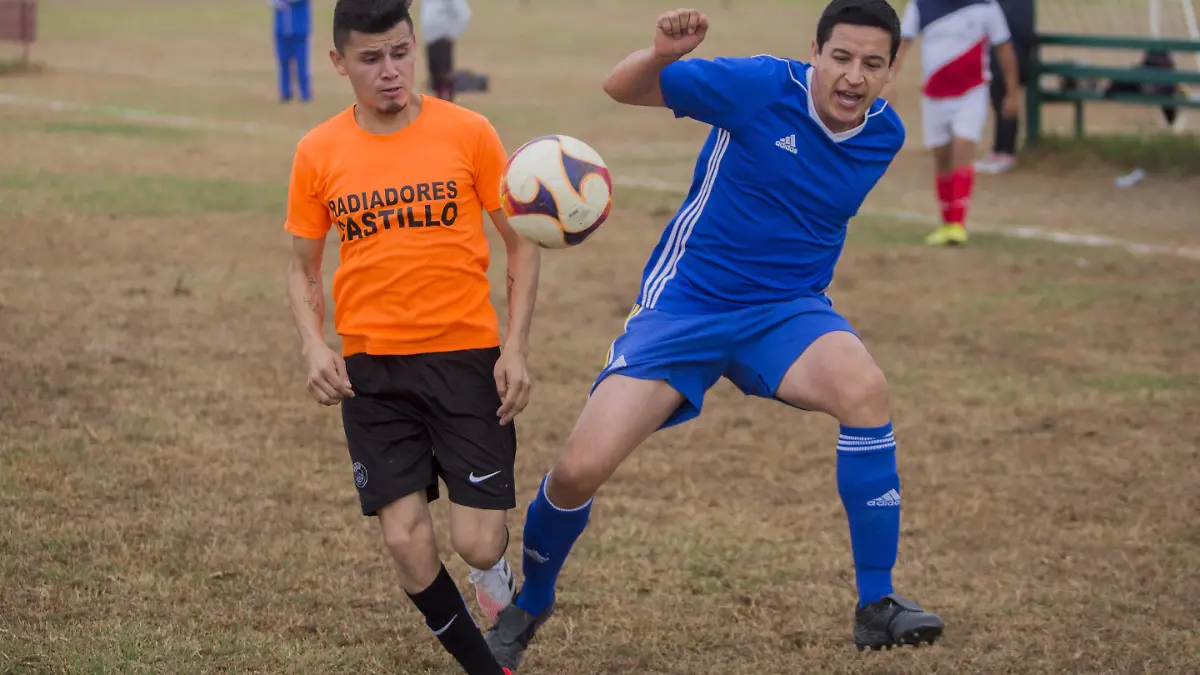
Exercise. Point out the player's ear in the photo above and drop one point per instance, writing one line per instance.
(815, 50)
(336, 59)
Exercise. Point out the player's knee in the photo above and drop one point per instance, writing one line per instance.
(572, 482)
(407, 533)
(479, 547)
(862, 398)
(403, 542)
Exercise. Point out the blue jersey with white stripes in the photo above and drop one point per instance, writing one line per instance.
(293, 18)
(772, 192)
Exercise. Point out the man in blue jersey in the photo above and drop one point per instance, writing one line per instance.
(293, 24)
(736, 289)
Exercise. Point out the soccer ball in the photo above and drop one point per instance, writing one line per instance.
(556, 191)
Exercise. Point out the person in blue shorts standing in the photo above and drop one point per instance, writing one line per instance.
(736, 289)
(293, 25)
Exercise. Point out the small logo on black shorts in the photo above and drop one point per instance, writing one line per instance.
(360, 475)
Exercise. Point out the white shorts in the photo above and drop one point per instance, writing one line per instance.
(963, 117)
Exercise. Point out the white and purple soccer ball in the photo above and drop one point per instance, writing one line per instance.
(556, 191)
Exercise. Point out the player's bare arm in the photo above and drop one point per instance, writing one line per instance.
(524, 263)
(635, 80)
(1007, 56)
(327, 379)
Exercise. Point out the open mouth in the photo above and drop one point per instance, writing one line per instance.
(848, 100)
(392, 91)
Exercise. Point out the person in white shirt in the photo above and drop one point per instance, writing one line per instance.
(443, 22)
(957, 39)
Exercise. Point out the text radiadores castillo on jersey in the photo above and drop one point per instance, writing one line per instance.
(364, 214)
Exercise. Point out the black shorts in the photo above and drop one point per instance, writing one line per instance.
(416, 418)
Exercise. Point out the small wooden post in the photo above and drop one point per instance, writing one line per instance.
(18, 23)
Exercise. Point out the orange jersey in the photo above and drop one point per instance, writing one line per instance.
(408, 207)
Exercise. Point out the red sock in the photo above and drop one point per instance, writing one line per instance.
(962, 182)
(945, 190)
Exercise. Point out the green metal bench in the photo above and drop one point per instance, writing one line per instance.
(1037, 95)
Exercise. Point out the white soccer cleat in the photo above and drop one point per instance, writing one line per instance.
(494, 588)
(995, 163)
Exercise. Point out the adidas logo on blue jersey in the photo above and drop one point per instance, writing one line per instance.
(787, 143)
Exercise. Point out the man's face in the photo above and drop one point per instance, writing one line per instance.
(380, 67)
(850, 72)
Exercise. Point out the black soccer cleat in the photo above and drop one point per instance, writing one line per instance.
(895, 621)
(510, 635)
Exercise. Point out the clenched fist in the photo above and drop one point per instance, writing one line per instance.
(679, 32)
(327, 378)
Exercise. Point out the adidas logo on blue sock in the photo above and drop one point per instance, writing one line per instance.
(889, 498)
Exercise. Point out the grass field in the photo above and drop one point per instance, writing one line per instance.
(172, 501)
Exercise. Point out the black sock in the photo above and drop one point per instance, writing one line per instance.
(447, 616)
(1006, 135)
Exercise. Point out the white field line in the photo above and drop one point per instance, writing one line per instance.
(187, 122)
(1016, 232)
(147, 116)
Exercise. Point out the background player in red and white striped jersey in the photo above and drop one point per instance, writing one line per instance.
(957, 38)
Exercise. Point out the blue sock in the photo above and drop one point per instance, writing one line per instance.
(869, 486)
(549, 534)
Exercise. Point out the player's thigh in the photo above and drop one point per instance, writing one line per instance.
(807, 355)
(688, 352)
(656, 375)
(390, 449)
(476, 455)
(837, 375)
(620, 414)
(971, 116)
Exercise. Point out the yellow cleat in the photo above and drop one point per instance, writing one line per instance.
(953, 234)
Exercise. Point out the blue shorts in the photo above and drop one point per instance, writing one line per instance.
(753, 347)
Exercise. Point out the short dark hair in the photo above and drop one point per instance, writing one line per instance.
(875, 13)
(367, 16)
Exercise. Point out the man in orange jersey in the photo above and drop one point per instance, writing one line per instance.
(426, 390)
